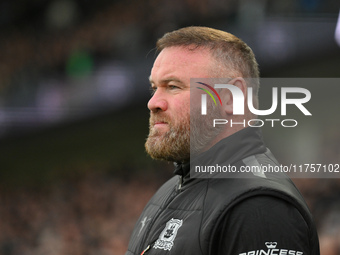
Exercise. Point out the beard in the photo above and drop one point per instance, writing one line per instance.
(174, 144)
(191, 135)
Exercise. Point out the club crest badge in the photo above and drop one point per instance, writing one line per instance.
(168, 235)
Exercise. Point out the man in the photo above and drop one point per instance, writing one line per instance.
(254, 214)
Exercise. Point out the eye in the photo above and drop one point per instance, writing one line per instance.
(173, 87)
(152, 90)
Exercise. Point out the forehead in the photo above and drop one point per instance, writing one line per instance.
(182, 62)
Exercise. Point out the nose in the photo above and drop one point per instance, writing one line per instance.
(158, 102)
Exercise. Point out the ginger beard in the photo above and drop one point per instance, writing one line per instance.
(172, 145)
(178, 142)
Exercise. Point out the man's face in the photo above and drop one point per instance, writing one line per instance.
(169, 136)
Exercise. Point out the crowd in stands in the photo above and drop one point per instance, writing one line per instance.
(95, 214)
(44, 43)
(117, 30)
(91, 215)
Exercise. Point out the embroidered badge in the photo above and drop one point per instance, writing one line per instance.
(168, 235)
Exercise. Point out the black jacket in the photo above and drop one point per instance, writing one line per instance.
(253, 215)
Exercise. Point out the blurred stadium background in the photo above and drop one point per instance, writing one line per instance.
(73, 118)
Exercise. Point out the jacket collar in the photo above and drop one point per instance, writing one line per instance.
(229, 150)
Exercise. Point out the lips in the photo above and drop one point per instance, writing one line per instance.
(160, 123)
(158, 120)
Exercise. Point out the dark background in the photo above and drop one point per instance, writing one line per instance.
(73, 118)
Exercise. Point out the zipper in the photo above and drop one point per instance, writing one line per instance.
(180, 182)
(146, 249)
(173, 194)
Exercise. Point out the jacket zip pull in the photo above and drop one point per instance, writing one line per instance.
(179, 187)
(146, 249)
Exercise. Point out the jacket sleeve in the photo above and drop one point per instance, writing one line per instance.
(262, 223)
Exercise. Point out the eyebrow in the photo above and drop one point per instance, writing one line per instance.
(167, 80)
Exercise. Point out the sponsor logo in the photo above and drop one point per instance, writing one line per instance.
(168, 235)
(271, 245)
(272, 250)
(143, 223)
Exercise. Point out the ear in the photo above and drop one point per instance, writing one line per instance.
(228, 105)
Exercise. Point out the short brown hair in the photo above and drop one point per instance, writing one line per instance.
(227, 49)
